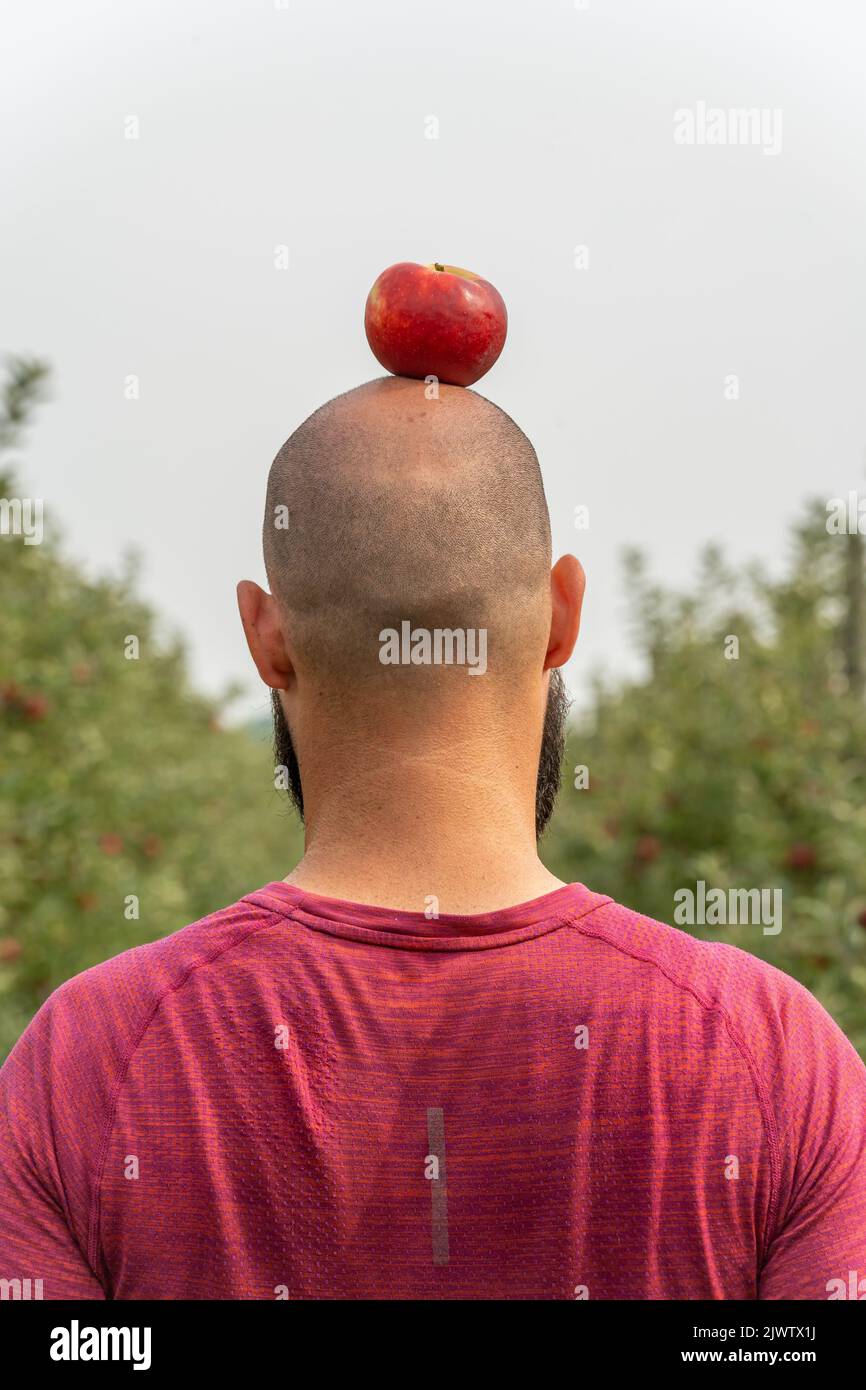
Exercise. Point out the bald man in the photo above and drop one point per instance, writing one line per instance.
(421, 1066)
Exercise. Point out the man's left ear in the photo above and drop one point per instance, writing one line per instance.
(261, 622)
(567, 583)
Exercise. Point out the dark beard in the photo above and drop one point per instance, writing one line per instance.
(549, 762)
(552, 752)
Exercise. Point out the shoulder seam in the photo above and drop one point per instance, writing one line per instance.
(714, 1006)
(111, 1112)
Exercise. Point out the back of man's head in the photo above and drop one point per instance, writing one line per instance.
(387, 507)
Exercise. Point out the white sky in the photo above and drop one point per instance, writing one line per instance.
(306, 126)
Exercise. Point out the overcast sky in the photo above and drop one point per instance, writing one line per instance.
(306, 125)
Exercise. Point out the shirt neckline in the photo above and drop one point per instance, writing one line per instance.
(388, 926)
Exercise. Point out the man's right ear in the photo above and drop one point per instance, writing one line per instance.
(264, 635)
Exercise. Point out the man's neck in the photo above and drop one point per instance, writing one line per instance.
(435, 825)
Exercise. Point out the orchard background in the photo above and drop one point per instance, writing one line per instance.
(120, 781)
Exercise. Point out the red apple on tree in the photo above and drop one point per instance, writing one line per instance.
(435, 320)
(35, 706)
(801, 856)
(648, 848)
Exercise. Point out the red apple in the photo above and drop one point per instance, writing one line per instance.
(648, 848)
(801, 856)
(820, 962)
(435, 320)
(35, 707)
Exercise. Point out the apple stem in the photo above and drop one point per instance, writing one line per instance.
(437, 266)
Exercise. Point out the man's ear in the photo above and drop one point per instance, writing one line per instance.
(264, 635)
(567, 583)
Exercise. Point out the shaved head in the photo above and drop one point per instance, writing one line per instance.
(388, 509)
(386, 506)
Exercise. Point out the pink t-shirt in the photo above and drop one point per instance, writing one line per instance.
(305, 1098)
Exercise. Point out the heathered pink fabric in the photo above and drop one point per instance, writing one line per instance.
(243, 1110)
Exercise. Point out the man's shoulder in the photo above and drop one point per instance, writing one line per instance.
(765, 1009)
(106, 1008)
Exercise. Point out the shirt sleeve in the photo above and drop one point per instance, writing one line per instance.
(817, 1085)
(48, 1123)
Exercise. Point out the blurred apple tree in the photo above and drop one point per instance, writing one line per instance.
(117, 781)
(744, 771)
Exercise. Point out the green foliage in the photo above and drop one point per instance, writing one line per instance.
(21, 390)
(745, 773)
(116, 780)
